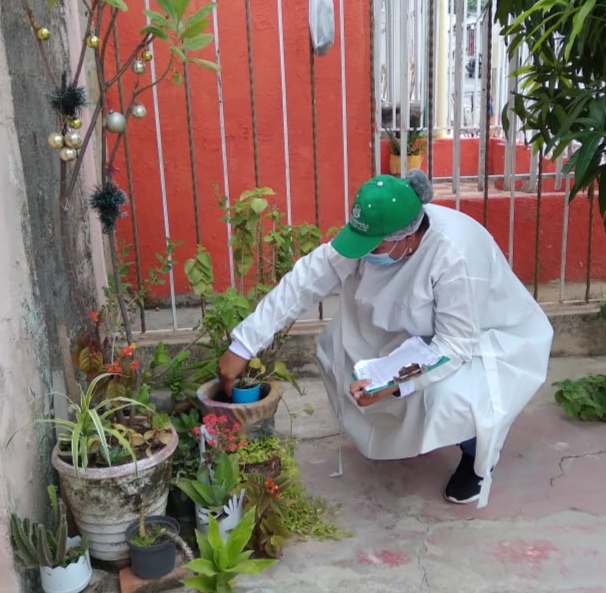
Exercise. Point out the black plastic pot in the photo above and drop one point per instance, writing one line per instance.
(152, 562)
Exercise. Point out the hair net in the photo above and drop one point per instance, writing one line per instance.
(422, 187)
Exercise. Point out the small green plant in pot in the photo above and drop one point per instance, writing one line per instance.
(583, 398)
(152, 544)
(221, 561)
(63, 561)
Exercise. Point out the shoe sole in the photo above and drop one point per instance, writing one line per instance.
(466, 501)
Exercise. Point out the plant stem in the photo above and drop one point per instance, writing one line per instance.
(89, 21)
(39, 42)
(131, 58)
(118, 283)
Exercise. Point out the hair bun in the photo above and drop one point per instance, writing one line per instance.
(420, 184)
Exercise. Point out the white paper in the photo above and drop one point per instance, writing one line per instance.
(381, 371)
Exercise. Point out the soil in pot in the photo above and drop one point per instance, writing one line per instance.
(151, 561)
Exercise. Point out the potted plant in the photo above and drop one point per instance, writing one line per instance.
(265, 248)
(221, 561)
(63, 561)
(415, 148)
(111, 453)
(152, 545)
(216, 491)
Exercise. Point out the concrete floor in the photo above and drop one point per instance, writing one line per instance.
(544, 530)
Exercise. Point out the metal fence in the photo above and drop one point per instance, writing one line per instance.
(415, 59)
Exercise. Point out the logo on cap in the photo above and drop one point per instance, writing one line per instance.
(356, 211)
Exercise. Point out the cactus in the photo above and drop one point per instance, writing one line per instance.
(35, 545)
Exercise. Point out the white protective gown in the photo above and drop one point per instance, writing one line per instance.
(459, 293)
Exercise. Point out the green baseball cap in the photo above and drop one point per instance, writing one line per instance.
(383, 205)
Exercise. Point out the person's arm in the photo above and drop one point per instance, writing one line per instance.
(313, 278)
(457, 328)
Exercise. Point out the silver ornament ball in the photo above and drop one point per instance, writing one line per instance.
(139, 66)
(139, 111)
(55, 140)
(73, 139)
(68, 154)
(115, 122)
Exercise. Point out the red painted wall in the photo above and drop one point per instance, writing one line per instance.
(236, 89)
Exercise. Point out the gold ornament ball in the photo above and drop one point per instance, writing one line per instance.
(139, 66)
(73, 139)
(92, 41)
(55, 140)
(75, 123)
(43, 33)
(115, 122)
(147, 56)
(68, 154)
(139, 111)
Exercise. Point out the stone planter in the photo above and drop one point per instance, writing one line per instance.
(104, 501)
(255, 418)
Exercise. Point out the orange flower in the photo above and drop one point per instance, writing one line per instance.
(128, 350)
(134, 365)
(94, 315)
(114, 368)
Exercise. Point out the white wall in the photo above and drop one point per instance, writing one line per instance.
(21, 335)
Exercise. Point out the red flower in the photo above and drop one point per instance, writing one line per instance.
(211, 443)
(242, 443)
(196, 431)
(232, 448)
(94, 315)
(134, 365)
(128, 350)
(114, 368)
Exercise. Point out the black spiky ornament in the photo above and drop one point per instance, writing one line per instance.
(69, 101)
(106, 201)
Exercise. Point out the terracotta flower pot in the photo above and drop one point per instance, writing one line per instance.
(255, 418)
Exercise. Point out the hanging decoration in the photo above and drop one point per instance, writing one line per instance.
(68, 154)
(43, 34)
(69, 102)
(55, 140)
(75, 123)
(73, 139)
(147, 56)
(115, 122)
(139, 66)
(106, 201)
(92, 41)
(139, 111)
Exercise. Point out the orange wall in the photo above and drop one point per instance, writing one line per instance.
(236, 89)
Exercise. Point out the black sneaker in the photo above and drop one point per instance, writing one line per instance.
(464, 485)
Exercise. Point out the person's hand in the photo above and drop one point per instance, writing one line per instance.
(231, 366)
(363, 398)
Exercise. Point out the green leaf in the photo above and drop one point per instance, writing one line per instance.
(194, 29)
(239, 537)
(177, 78)
(258, 205)
(117, 4)
(181, 7)
(169, 8)
(178, 52)
(253, 566)
(202, 583)
(157, 18)
(202, 566)
(155, 31)
(198, 42)
(205, 64)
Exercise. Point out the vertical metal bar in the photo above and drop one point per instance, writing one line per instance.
(230, 253)
(404, 87)
(564, 239)
(375, 68)
(486, 100)
(192, 151)
(458, 99)
(430, 87)
(391, 61)
(284, 113)
(156, 102)
(511, 147)
(537, 238)
(534, 166)
(559, 167)
(314, 129)
(344, 110)
(131, 186)
(590, 197)
(253, 100)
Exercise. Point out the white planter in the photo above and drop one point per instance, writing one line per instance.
(105, 501)
(72, 578)
(229, 517)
